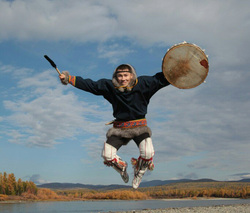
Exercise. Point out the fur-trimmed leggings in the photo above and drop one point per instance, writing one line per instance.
(114, 143)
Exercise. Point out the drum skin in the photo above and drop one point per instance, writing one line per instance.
(185, 66)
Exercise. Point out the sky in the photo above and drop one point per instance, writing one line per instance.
(50, 132)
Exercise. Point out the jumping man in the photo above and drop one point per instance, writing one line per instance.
(129, 96)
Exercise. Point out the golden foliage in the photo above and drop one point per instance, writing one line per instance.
(47, 194)
(9, 185)
(115, 195)
(194, 190)
(10, 189)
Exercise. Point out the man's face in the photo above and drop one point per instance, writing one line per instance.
(124, 77)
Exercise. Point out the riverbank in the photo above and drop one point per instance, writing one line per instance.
(239, 208)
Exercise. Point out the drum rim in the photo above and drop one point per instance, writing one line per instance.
(185, 44)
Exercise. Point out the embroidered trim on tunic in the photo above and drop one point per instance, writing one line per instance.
(72, 80)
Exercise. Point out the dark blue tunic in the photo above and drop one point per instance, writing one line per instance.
(127, 105)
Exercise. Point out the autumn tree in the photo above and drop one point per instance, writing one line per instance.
(9, 186)
(20, 188)
(4, 184)
(1, 183)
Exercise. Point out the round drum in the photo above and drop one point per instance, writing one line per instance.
(185, 66)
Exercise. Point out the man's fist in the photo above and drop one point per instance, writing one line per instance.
(64, 77)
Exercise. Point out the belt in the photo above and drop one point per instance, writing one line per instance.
(130, 124)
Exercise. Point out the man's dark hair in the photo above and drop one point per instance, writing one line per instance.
(124, 67)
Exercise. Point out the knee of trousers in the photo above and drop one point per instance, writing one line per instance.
(109, 152)
(146, 149)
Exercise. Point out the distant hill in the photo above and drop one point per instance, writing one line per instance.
(244, 180)
(79, 185)
(165, 182)
(117, 186)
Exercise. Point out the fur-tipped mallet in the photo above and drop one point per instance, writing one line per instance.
(52, 63)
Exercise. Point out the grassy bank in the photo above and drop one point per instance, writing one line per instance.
(170, 191)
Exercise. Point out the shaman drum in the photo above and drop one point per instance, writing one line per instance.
(185, 65)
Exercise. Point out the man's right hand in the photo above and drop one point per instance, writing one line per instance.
(64, 77)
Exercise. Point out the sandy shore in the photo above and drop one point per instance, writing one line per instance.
(239, 208)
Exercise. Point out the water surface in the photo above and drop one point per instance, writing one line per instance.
(106, 206)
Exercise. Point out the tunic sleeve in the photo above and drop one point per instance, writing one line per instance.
(99, 87)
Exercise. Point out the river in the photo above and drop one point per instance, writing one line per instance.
(106, 206)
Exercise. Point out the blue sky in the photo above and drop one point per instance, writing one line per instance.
(55, 133)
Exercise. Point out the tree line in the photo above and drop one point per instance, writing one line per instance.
(10, 189)
(9, 185)
(202, 189)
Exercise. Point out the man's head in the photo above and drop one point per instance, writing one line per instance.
(124, 77)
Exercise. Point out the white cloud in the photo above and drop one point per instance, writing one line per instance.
(113, 52)
(49, 112)
(15, 72)
(221, 27)
(6, 68)
(74, 20)
(37, 179)
(164, 21)
(243, 176)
